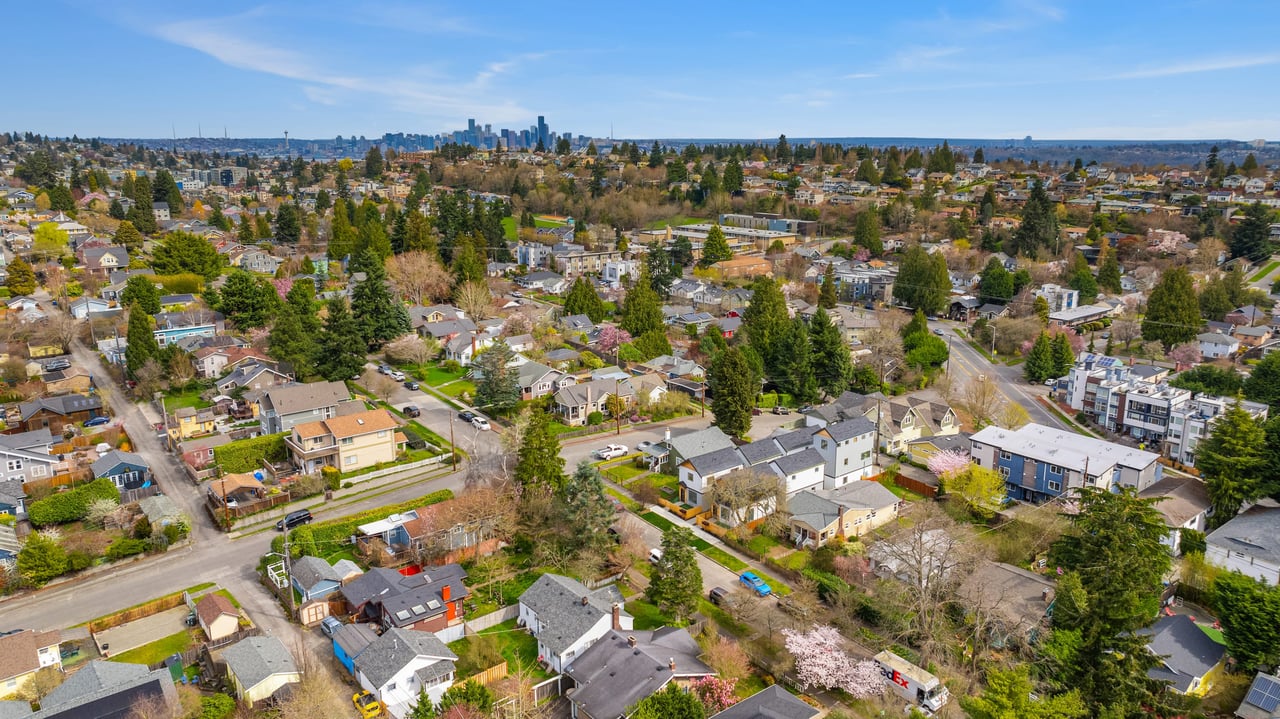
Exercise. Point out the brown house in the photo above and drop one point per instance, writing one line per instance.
(744, 267)
(53, 413)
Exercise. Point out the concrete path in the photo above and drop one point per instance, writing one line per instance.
(117, 640)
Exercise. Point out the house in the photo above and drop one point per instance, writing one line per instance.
(26, 455)
(566, 617)
(851, 510)
(1249, 543)
(546, 281)
(1191, 660)
(218, 617)
(13, 499)
(538, 380)
(347, 443)
(55, 413)
(24, 653)
(1040, 463)
(172, 327)
(83, 307)
(126, 470)
(402, 664)
(280, 408)
(1184, 503)
(198, 453)
(743, 267)
(463, 348)
(576, 403)
(1252, 336)
(1246, 316)
(315, 578)
(902, 419)
(772, 702)
(235, 489)
(674, 450)
(623, 668)
(190, 422)
(1017, 601)
(431, 600)
(925, 447)
(258, 667)
(1262, 701)
(104, 689)
(100, 262)
(1215, 346)
(213, 361)
(577, 323)
(161, 511)
(349, 641)
(66, 381)
(253, 374)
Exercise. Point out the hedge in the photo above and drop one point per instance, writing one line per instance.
(70, 506)
(125, 547)
(829, 585)
(246, 455)
(317, 540)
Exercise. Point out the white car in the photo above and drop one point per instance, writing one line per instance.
(612, 451)
(396, 375)
(480, 423)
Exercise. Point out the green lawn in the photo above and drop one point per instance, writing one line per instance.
(190, 398)
(509, 228)
(657, 520)
(762, 543)
(674, 221)
(624, 473)
(647, 616)
(538, 221)
(156, 651)
(1265, 271)
(1214, 634)
(902, 492)
(455, 389)
(436, 375)
(724, 559)
(516, 645)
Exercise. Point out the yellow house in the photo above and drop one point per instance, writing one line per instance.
(24, 653)
(1189, 659)
(218, 616)
(349, 442)
(258, 667)
(189, 422)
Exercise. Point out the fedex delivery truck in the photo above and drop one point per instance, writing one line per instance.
(911, 682)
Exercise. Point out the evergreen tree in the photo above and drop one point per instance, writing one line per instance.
(715, 248)
(497, 385)
(1040, 364)
(1010, 694)
(41, 559)
(661, 270)
(142, 344)
(380, 316)
(323, 201)
(583, 300)
(587, 511)
(765, 320)
(1039, 228)
(1214, 301)
(288, 224)
(244, 231)
(1080, 278)
(248, 301)
(21, 279)
(340, 350)
(116, 210)
(795, 363)
(140, 291)
(1249, 610)
(919, 325)
(342, 236)
(867, 172)
(180, 252)
(373, 163)
(782, 151)
(827, 291)
(733, 176)
(866, 232)
(733, 386)
(166, 190)
(468, 265)
(1250, 237)
(1231, 459)
(1263, 384)
(833, 365)
(642, 308)
(655, 155)
(1063, 356)
(1109, 269)
(923, 281)
(996, 284)
(676, 582)
(538, 461)
(142, 214)
(290, 342)
(1173, 314)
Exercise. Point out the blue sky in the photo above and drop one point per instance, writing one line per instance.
(1070, 69)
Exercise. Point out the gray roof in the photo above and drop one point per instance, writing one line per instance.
(115, 458)
(95, 682)
(854, 427)
(1187, 651)
(1255, 531)
(37, 440)
(717, 461)
(612, 676)
(386, 656)
(309, 571)
(762, 451)
(302, 397)
(353, 638)
(700, 442)
(1217, 339)
(530, 372)
(64, 405)
(557, 602)
(576, 394)
(95, 676)
(772, 702)
(406, 600)
(813, 509)
(818, 508)
(14, 709)
(796, 439)
(862, 495)
(255, 659)
(807, 458)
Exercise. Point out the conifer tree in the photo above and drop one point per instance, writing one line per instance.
(379, 315)
(827, 291)
(340, 354)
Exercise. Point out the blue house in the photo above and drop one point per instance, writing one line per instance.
(13, 501)
(125, 469)
(174, 326)
(314, 578)
(349, 641)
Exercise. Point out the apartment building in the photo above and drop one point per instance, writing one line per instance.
(1193, 421)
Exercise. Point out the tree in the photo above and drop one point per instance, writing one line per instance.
(142, 214)
(340, 353)
(996, 284)
(715, 693)
(1251, 235)
(676, 582)
(642, 308)
(1040, 364)
(1012, 416)
(1214, 301)
(49, 240)
(1039, 227)
(822, 662)
(1108, 268)
(1010, 694)
(141, 291)
(1231, 459)
(833, 365)
(1208, 379)
(715, 248)
(866, 232)
(733, 387)
(795, 364)
(1263, 385)
(1173, 315)
(411, 347)
(765, 321)
(288, 224)
(142, 340)
(182, 252)
(342, 236)
(128, 235)
(588, 512)
(923, 281)
(474, 298)
(470, 694)
(538, 461)
(418, 277)
(583, 300)
(982, 489)
(21, 279)
(248, 301)
(1249, 610)
(290, 342)
(733, 176)
(670, 703)
(827, 291)
(497, 385)
(379, 316)
(41, 559)
(1080, 278)
(373, 163)
(1063, 356)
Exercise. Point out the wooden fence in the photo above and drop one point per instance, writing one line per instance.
(125, 616)
(495, 673)
(66, 479)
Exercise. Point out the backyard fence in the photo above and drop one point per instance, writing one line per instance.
(478, 624)
(495, 673)
(154, 606)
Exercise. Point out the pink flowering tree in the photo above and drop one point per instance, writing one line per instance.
(1186, 354)
(716, 694)
(948, 463)
(862, 254)
(821, 661)
(1075, 338)
(282, 285)
(612, 337)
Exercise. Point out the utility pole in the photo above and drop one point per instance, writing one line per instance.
(453, 448)
(288, 575)
(617, 404)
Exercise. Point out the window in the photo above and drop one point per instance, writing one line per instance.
(1055, 486)
(347, 440)
(866, 455)
(351, 459)
(38, 470)
(382, 434)
(1055, 469)
(1004, 471)
(1005, 455)
(846, 461)
(824, 444)
(15, 465)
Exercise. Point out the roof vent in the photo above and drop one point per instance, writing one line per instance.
(359, 420)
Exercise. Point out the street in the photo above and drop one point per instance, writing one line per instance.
(967, 364)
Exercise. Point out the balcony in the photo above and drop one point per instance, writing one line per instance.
(310, 450)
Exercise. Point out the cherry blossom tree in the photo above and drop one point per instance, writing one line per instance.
(861, 255)
(612, 337)
(948, 462)
(1186, 355)
(716, 694)
(821, 661)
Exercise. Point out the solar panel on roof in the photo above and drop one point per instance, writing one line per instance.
(1265, 693)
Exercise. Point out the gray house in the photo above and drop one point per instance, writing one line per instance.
(566, 617)
(622, 669)
(280, 408)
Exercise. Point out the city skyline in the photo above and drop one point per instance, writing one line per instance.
(1014, 68)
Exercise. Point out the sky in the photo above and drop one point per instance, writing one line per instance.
(1052, 69)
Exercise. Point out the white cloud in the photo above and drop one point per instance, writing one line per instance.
(1211, 64)
(861, 75)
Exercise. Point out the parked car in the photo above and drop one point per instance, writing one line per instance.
(611, 451)
(718, 595)
(779, 409)
(57, 364)
(938, 332)
(396, 375)
(384, 369)
(466, 415)
(412, 411)
(368, 705)
(655, 555)
(643, 445)
(1050, 382)
(752, 581)
(480, 423)
(294, 519)
(330, 625)
(805, 408)
(411, 385)
(97, 421)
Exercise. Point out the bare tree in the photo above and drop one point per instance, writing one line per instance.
(181, 369)
(41, 683)
(316, 695)
(154, 706)
(150, 377)
(419, 277)
(379, 384)
(741, 491)
(1012, 416)
(61, 329)
(412, 348)
(475, 299)
(981, 399)
(1126, 330)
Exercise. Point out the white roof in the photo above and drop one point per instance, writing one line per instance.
(1063, 448)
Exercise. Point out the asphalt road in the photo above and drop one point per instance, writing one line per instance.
(967, 364)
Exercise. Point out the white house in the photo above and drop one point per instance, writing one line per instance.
(402, 663)
(1214, 345)
(1249, 543)
(1184, 504)
(566, 617)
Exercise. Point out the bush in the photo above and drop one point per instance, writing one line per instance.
(142, 528)
(125, 547)
(1192, 541)
(246, 455)
(595, 418)
(72, 505)
(218, 706)
(78, 559)
(450, 366)
(332, 477)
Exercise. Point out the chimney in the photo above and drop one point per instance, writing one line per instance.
(671, 664)
(666, 435)
(631, 641)
(446, 592)
(617, 616)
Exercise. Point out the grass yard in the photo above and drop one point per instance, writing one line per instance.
(795, 561)
(647, 616)
(724, 559)
(901, 492)
(1271, 267)
(762, 544)
(436, 375)
(516, 645)
(455, 389)
(190, 398)
(667, 484)
(674, 221)
(156, 651)
(1214, 634)
(509, 228)
(624, 473)
(657, 520)
(627, 501)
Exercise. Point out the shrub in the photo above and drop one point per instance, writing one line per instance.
(450, 366)
(142, 528)
(125, 547)
(332, 477)
(246, 455)
(78, 559)
(218, 706)
(595, 418)
(1192, 541)
(72, 505)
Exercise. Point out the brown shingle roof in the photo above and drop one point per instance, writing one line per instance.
(352, 425)
(211, 606)
(20, 652)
